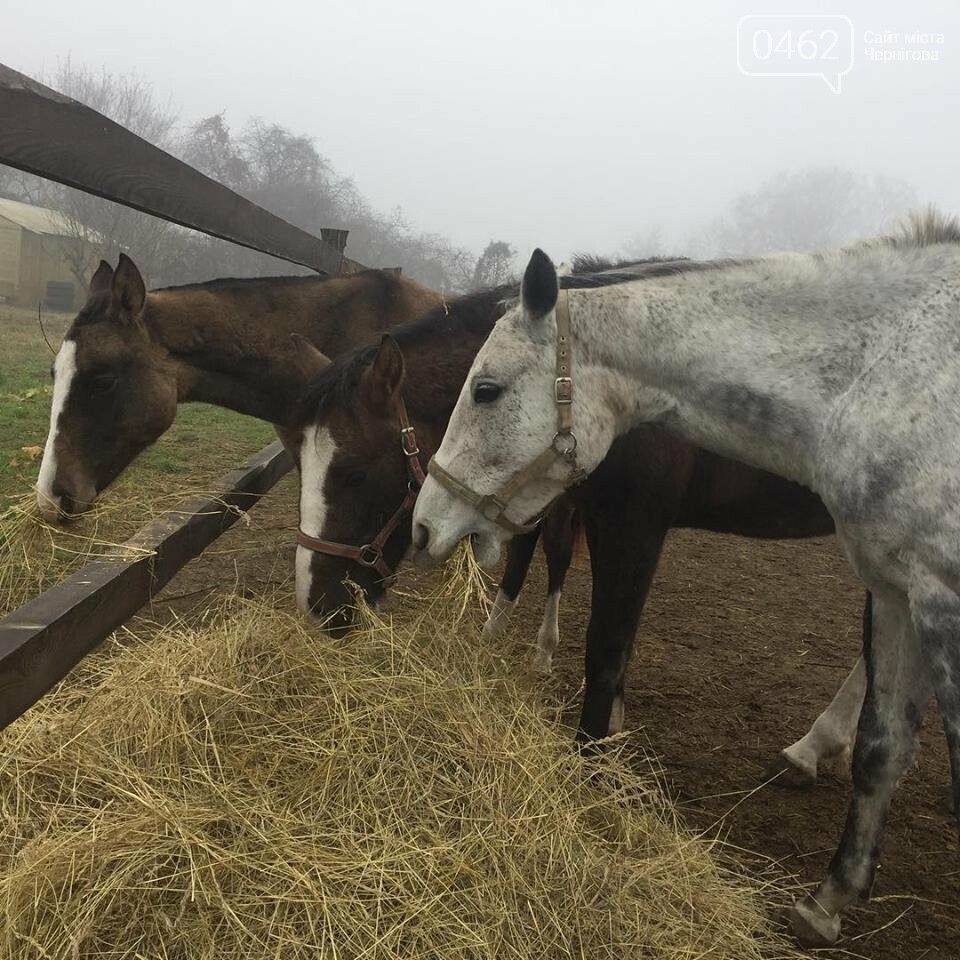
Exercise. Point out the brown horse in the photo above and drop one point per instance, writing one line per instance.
(131, 356)
(649, 482)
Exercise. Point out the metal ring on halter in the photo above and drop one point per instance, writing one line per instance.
(369, 555)
(564, 449)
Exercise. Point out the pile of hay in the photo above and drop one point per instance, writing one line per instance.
(35, 554)
(250, 788)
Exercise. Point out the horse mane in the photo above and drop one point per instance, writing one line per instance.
(630, 271)
(925, 228)
(920, 228)
(473, 314)
(592, 263)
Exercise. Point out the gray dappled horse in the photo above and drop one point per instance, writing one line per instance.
(838, 370)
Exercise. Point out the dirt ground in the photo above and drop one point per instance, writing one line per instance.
(742, 643)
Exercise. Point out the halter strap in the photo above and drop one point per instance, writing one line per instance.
(563, 446)
(371, 554)
(492, 506)
(408, 441)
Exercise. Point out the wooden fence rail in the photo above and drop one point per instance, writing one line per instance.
(46, 133)
(42, 641)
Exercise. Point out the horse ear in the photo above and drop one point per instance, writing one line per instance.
(539, 288)
(384, 377)
(101, 279)
(307, 358)
(128, 289)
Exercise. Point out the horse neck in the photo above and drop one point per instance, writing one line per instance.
(231, 346)
(715, 367)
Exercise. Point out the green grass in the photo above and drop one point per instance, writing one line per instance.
(203, 443)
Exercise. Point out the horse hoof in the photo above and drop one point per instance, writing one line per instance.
(542, 663)
(812, 925)
(498, 619)
(793, 770)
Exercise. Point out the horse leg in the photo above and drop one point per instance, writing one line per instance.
(519, 554)
(936, 619)
(624, 551)
(558, 538)
(898, 688)
(833, 732)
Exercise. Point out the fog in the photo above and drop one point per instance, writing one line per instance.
(572, 126)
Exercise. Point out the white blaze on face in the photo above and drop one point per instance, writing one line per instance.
(64, 370)
(316, 454)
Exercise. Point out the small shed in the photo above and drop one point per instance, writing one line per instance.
(36, 245)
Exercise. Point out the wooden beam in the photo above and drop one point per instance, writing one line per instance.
(48, 134)
(42, 641)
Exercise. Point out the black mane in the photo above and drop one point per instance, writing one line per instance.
(591, 263)
(473, 314)
(590, 271)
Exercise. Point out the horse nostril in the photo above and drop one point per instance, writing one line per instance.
(421, 536)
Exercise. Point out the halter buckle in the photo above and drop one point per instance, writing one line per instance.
(369, 555)
(408, 434)
(563, 390)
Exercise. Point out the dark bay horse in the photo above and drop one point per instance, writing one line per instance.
(357, 476)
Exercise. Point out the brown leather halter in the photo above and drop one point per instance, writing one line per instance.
(493, 506)
(371, 554)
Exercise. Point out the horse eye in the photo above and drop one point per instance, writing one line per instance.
(104, 384)
(353, 478)
(485, 392)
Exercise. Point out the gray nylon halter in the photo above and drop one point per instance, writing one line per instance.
(493, 506)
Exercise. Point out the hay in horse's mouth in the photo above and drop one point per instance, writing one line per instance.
(249, 787)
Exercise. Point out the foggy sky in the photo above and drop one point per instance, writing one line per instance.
(572, 126)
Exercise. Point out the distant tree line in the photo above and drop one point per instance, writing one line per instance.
(816, 208)
(265, 162)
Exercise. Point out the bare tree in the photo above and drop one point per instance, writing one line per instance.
(286, 174)
(209, 146)
(99, 228)
(645, 243)
(494, 266)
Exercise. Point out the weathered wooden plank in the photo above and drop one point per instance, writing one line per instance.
(43, 640)
(46, 133)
